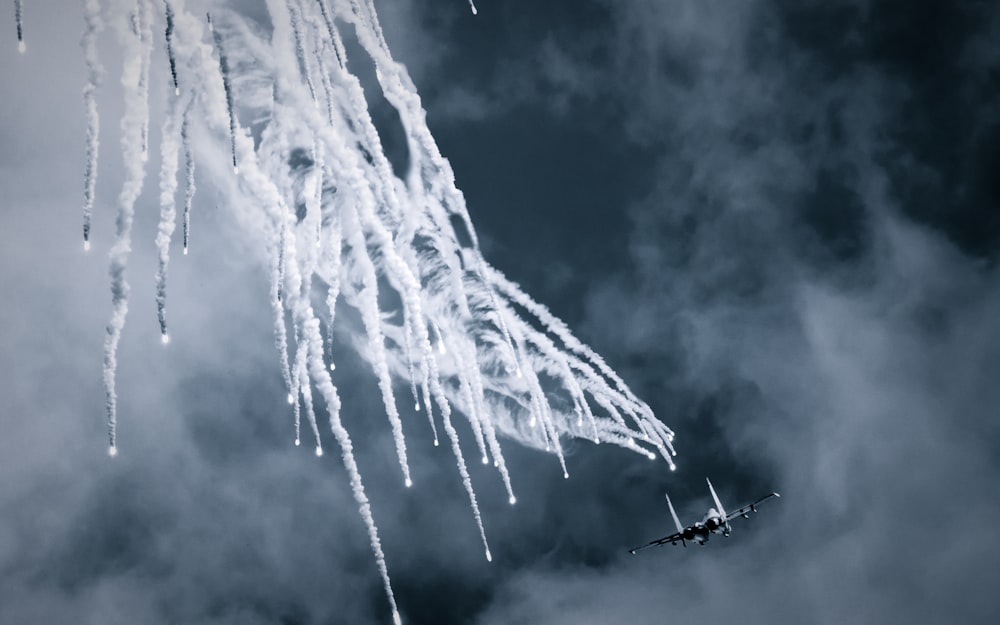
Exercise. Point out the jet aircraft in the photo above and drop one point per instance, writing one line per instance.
(716, 521)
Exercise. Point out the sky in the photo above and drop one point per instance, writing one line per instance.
(776, 221)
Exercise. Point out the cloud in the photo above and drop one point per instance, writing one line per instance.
(792, 298)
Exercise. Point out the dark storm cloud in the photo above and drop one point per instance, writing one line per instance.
(809, 296)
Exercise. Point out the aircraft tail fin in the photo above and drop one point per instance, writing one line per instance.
(718, 504)
(673, 513)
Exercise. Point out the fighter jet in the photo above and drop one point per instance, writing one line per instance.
(716, 521)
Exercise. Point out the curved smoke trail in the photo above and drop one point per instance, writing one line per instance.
(341, 229)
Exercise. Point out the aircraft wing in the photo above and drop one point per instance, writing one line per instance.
(750, 507)
(673, 538)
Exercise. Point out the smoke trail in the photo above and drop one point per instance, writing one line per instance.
(409, 365)
(333, 288)
(20, 26)
(227, 86)
(169, 36)
(144, 31)
(368, 299)
(280, 331)
(307, 400)
(472, 5)
(400, 92)
(189, 188)
(335, 40)
(297, 386)
(555, 326)
(310, 330)
(92, 26)
(457, 450)
(471, 406)
(475, 383)
(300, 53)
(341, 219)
(132, 122)
(168, 215)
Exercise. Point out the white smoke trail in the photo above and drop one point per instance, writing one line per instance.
(311, 334)
(296, 385)
(189, 187)
(463, 368)
(134, 117)
(93, 25)
(409, 365)
(368, 307)
(142, 28)
(315, 187)
(227, 85)
(457, 450)
(489, 431)
(169, 39)
(308, 328)
(168, 187)
(307, 400)
(300, 54)
(278, 310)
(19, 18)
(334, 252)
(472, 5)
(559, 329)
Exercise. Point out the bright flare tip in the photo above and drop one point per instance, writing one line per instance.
(396, 619)
(416, 407)
(21, 47)
(177, 91)
(332, 366)
(297, 442)
(565, 475)
(512, 500)
(86, 245)
(236, 170)
(436, 443)
(185, 251)
(319, 451)
(290, 398)
(673, 467)
(112, 451)
(164, 338)
(408, 482)
(486, 460)
(489, 556)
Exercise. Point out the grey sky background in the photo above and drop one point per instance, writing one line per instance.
(778, 221)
